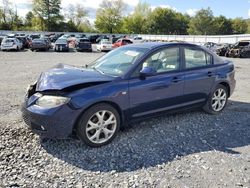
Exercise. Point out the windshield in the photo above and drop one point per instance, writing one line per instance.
(117, 62)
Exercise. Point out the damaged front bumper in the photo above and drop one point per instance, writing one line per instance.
(57, 122)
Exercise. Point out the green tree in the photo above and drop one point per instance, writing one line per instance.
(181, 24)
(222, 26)
(38, 24)
(136, 22)
(9, 19)
(239, 26)
(202, 23)
(48, 11)
(162, 21)
(109, 16)
(248, 28)
(28, 19)
(77, 16)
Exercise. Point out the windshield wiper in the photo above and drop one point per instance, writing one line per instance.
(98, 70)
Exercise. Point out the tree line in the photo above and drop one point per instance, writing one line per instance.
(111, 17)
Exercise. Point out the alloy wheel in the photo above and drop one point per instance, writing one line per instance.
(219, 99)
(101, 126)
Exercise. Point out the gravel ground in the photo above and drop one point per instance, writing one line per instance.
(189, 149)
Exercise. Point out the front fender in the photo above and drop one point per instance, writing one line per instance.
(115, 92)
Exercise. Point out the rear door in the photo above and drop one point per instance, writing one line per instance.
(199, 74)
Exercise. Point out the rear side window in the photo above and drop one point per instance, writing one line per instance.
(196, 58)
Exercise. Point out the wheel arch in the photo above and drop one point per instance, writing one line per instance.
(227, 86)
(111, 103)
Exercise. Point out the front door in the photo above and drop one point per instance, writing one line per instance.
(162, 91)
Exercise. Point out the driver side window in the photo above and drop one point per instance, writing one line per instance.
(164, 61)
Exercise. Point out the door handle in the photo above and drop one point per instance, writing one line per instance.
(210, 74)
(176, 79)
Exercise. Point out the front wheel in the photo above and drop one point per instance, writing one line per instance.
(99, 125)
(217, 100)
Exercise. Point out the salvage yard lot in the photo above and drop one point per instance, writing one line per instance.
(191, 149)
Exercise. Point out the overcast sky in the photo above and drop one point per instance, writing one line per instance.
(228, 8)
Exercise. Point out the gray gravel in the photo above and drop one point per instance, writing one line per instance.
(189, 149)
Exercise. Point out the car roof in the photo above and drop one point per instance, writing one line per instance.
(152, 45)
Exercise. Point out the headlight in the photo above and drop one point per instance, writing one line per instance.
(48, 101)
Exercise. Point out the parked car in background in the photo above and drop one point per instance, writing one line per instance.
(81, 35)
(122, 42)
(21, 35)
(65, 37)
(61, 45)
(40, 44)
(12, 35)
(1, 39)
(223, 48)
(53, 38)
(104, 46)
(116, 37)
(211, 46)
(70, 38)
(83, 44)
(137, 39)
(93, 38)
(47, 39)
(127, 84)
(11, 44)
(24, 40)
(240, 49)
(102, 37)
(34, 36)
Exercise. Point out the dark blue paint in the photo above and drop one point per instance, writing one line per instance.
(65, 76)
(133, 97)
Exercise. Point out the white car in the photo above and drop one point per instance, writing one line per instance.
(137, 40)
(11, 44)
(104, 46)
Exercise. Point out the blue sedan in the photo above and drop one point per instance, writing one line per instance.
(127, 84)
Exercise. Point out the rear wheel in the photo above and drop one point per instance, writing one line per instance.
(217, 100)
(98, 125)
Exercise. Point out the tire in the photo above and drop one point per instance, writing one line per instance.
(17, 48)
(217, 100)
(101, 132)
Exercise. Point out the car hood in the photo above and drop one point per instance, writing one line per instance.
(65, 76)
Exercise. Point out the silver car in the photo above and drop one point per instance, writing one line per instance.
(11, 44)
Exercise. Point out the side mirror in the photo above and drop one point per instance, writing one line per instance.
(147, 71)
